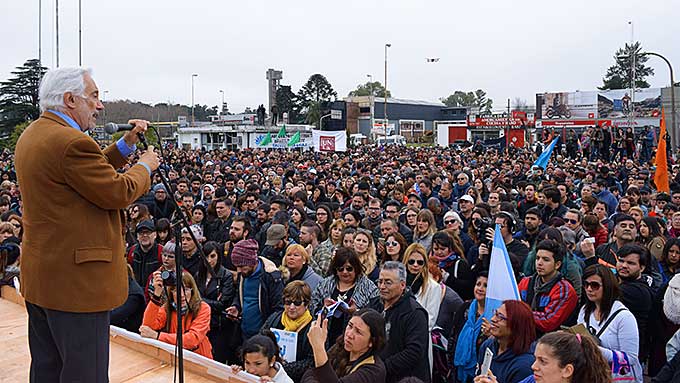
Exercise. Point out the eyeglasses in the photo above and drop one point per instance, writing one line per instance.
(287, 302)
(592, 285)
(499, 315)
(145, 233)
(461, 179)
(250, 201)
(391, 243)
(572, 221)
(386, 282)
(449, 222)
(348, 269)
(420, 262)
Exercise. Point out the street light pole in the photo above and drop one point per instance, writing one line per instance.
(385, 120)
(371, 100)
(192, 99)
(80, 34)
(321, 119)
(675, 136)
(103, 102)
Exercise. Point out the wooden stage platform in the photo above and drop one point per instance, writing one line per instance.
(133, 359)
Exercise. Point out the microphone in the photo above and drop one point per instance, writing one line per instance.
(112, 128)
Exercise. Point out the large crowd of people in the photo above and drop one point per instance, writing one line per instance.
(379, 256)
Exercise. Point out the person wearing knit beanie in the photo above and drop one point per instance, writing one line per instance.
(245, 253)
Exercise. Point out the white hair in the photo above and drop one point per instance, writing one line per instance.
(58, 81)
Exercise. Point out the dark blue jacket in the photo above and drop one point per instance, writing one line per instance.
(508, 367)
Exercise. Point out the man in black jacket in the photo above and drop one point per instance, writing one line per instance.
(636, 294)
(145, 256)
(406, 326)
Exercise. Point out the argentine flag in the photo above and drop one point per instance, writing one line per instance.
(501, 285)
(542, 160)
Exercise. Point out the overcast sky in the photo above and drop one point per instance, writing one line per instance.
(146, 50)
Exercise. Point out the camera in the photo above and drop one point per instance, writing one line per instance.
(169, 278)
(481, 224)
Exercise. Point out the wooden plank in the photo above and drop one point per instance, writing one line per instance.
(131, 359)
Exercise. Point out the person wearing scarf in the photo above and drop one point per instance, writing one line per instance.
(471, 335)
(295, 317)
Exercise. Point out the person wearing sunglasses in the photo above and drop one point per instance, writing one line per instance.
(456, 272)
(426, 290)
(295, 317)
(608, 319)
(395, 245)
(347, 282)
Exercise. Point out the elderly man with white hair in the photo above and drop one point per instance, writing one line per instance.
(72, 266)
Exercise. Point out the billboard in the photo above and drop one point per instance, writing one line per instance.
(566, 105)
(604, 104)
(617, 103)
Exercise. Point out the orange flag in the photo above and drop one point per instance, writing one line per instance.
(661, 162)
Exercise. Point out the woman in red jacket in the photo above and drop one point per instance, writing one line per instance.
(195, 319)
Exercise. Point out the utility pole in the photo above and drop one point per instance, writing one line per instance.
(80, 33)
(386, 120)
(56, 8)
(39, 32)
(192, 99)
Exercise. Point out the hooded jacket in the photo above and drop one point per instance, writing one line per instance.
(508, 367)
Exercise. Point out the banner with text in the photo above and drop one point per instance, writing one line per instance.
(329, 141)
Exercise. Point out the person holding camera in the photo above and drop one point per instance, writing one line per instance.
(517, 250)
(160, 318)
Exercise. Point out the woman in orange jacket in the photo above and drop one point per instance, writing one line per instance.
(195, 316)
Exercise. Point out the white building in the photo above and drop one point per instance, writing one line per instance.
(235, 137)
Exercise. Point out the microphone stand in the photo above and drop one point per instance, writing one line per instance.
(179, 285)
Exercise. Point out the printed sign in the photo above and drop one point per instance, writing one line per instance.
(287, 341)
(327, 144)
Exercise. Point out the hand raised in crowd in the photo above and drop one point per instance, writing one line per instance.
(588, 248)
(483, 250)
(318, 333)
(490, 233)
(157, 283)
(150, 158)
(486, 327)
(488, 378)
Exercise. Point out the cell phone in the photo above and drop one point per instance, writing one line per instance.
(324, 313)
(488, 355)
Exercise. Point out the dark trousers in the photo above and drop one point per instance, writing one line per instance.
(68, 347)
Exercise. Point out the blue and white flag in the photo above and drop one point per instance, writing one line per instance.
(501, 285)
(542, 160)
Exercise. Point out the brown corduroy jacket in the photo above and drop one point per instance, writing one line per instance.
(73, 250)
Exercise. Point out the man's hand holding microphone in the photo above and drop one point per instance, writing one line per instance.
(131, 137)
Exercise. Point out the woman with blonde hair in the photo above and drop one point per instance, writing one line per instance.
(365, 249)
(425, 229)
(160, 318)
(426, 290)
(295, 266)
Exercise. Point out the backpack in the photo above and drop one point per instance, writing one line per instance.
(441, 366)
(131, 254)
